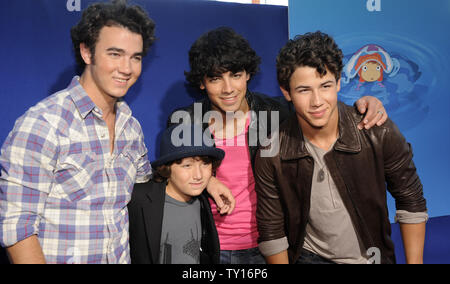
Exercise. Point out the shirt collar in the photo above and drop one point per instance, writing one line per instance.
(348, 141)
(84, 103)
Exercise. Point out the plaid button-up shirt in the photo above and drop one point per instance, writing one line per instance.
(60, 182)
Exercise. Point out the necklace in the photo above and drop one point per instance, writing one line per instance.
(321, 173)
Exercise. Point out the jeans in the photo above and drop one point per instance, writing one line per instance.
(245, 256)
(307, 257)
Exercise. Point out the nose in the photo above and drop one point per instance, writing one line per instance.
(197, 172)
(316, 98)
(125, 66)
(227, 87)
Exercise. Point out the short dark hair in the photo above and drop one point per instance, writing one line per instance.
(317, 50)
(115, 13)
(162, 173)
(219, 51)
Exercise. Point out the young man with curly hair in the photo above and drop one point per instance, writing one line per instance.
(322, 199)
(71, 161)
(222, 63)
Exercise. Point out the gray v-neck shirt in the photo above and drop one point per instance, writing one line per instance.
(330, 232)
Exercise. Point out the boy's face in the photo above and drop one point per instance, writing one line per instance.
(188, 179)
(227, 91)
(314, 97)
(116, 64)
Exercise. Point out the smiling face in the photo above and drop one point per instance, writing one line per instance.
(189, 178)
(314, 99)
(115, 66)
(371, 71)
(227, 91)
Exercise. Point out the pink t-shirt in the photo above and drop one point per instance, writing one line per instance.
(238, 230)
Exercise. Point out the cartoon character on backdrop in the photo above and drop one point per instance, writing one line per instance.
(395, 77)
(370, 68)
(370, 62)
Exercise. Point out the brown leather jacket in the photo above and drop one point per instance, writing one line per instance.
(362, 163)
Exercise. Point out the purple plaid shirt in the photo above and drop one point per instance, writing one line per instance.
(60, 182)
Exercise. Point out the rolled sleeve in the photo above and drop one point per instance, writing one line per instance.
(27, 162)
(268, 248)
(18, 219)
(405, 217)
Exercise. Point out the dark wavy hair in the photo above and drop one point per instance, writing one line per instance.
(317, 50)
(219, 51)
(163, 172)
(114, 13)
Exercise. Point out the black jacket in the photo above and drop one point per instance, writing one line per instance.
(260, 105)
(146, 211)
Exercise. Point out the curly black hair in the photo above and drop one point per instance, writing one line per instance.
(317, 50)
(114, 13)
(219, 51)
(163, 172)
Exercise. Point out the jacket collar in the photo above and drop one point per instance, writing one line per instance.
(293, 144)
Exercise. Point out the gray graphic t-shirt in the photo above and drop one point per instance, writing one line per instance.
(181, 232)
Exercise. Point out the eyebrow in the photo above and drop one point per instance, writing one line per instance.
(328, 82)
(122, 51)
(307, 87)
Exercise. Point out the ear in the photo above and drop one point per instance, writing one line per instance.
(338, 86)
(248, 76)
(286, 94)
(202, 86)
(85, 54)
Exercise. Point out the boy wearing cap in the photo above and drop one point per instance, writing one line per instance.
(170, 216)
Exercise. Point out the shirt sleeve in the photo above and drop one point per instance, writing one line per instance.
(272, 247)
(405, 217)
(144, 169)
(28, 158)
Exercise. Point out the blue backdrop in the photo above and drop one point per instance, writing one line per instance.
(37, 57)
(412, 43)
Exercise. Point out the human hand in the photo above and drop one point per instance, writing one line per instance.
(222, 196)
(374, 111)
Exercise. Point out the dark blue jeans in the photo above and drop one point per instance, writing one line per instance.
(245, 256)
(307, 257)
